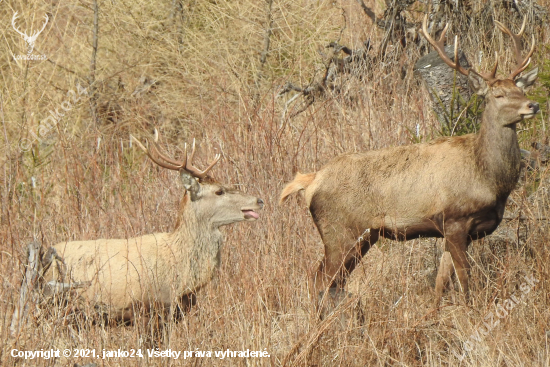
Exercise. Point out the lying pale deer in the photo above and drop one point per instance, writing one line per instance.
(453, 187)
(156, 269)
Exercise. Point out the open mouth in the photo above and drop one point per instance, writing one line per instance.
(250, 214)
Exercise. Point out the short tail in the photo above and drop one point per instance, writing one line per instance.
(300, 182)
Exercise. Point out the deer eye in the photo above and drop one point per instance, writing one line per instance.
(220, 192)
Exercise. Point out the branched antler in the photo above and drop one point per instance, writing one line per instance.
(187, 164)
(439, 46)
(522, 63)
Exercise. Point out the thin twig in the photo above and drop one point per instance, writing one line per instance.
(268, 33)
(64, 68)
(95, 36)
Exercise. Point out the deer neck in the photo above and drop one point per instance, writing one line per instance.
(497, 152)
(194, 248)
(194, 234)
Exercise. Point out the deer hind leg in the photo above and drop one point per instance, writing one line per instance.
(343, 252)
(355, 255)
(339, 262)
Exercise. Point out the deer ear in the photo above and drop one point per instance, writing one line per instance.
(477, 83)
(191, 185)
(527, 79)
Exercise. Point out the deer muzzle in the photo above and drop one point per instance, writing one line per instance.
(250, 213)
(529, 110)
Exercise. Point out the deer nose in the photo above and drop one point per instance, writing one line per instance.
(533, 106)
(260, 202)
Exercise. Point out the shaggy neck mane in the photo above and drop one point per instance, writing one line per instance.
(184, 203)
(497, 152)
(194, 247)
(188, 225)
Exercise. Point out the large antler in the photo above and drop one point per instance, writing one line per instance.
(521, 63)
(440, 47)
(166, 162)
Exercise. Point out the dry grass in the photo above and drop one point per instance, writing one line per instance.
(84, 182)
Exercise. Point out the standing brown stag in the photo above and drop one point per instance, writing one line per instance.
(453, 187)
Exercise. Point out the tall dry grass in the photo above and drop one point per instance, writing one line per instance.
(84, 181)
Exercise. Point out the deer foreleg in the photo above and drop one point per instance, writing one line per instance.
(457, 244)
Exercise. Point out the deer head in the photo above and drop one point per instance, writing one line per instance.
(503, 95)
(29, 39)
(219, 204)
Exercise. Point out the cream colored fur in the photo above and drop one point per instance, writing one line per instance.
(156, 268)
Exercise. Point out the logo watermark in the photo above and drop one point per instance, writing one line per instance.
(31, 40)
(501, 311)
(46, 125)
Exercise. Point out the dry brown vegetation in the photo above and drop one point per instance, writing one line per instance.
(198, 72)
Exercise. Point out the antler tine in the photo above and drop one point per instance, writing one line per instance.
(440, 47)
(217, 158)
(516, 38)
(493, 74)
(192, 158)
(153, 158)
(521, 63)
(194, 170)
(155, 146)
(177, 164)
